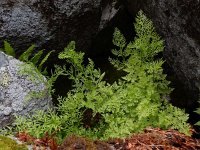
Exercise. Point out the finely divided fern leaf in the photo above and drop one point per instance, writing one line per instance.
(44, 60)
(120, 41)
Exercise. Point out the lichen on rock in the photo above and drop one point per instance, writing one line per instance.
(4, 79)
(15, 88)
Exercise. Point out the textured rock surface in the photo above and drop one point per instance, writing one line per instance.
(178, 22)
(50, 24)
(15, 88)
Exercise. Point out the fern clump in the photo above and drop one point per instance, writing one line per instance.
(134, 102)
(97, 109)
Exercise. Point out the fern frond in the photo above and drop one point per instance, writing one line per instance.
(143, 25)
(44, 60)
(35, 59)
(70, 46)
(116, 63)
(72, 57)
(8, 49)
(25, 55)
(44, 71)
(198, 111)
(198, 123)
(118, 39)
(147, 42)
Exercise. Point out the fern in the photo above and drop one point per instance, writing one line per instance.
(96, 109)
(43, 61)
(35, 59)
(51, 122)
(26, 56)
(8, 49)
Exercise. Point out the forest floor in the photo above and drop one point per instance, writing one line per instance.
(157, 139)
(150, 139)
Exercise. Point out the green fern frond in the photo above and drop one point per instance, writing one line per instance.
(147, 42)
(44, 71)
(8, 49)
(35, 59)
(198, 123)
(25, 55)
(72, 57)
(118, 39)
(44, 60)
(70, 46)
(143, 25)
(116, 63)
(198, 111)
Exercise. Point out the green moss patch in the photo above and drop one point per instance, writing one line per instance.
(9, 144)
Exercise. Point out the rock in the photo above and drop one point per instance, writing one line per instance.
(178, 22)
(21, 93)
(49, 24)
(113, 15)
(52, 24)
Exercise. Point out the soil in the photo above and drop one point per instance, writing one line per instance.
(150, 139)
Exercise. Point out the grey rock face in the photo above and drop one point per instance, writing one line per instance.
(22, 24)
(49, 24)
(178, 22)
(16, 91)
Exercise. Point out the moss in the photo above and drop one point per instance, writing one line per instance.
(9, 144)
(35, 76)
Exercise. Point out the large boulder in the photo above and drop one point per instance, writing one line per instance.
(178, 22)
(50, 24)
(22, 90)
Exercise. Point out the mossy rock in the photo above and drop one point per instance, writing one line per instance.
(8, 144)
